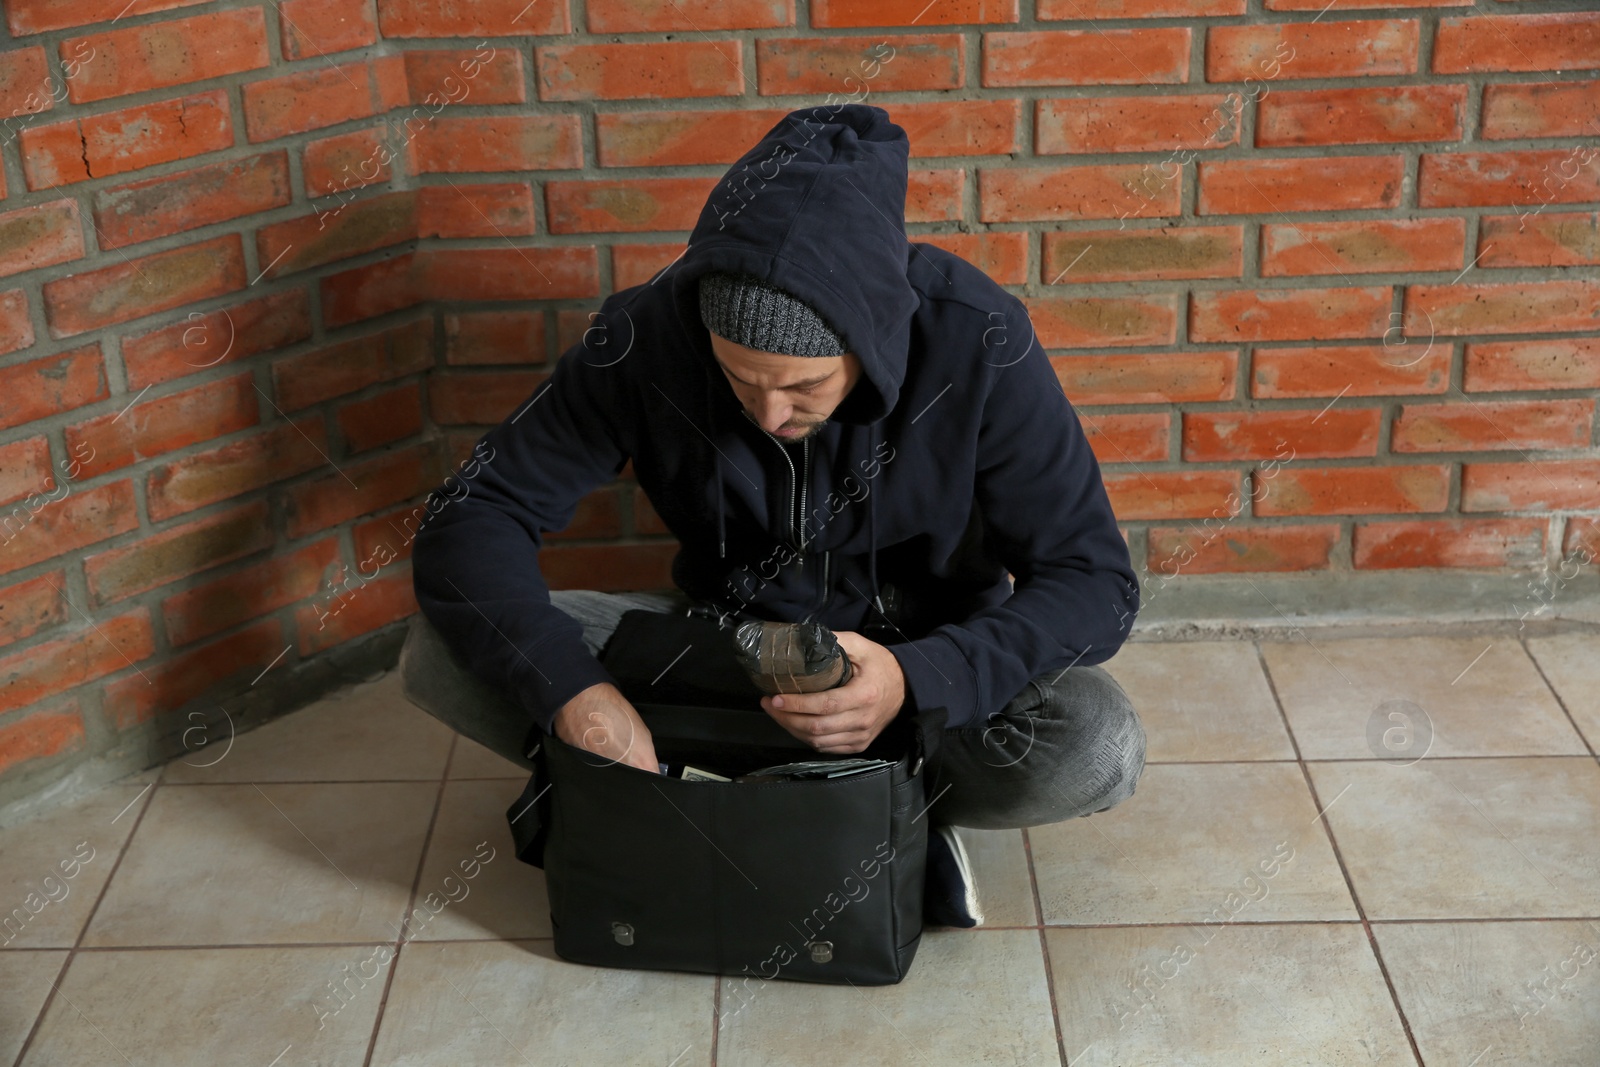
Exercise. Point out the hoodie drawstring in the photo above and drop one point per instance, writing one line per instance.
(872, 523)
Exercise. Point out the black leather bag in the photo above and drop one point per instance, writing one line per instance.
(809, 880)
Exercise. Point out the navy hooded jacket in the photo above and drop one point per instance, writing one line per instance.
(954, 459)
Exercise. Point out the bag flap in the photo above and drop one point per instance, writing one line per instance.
(662, 658)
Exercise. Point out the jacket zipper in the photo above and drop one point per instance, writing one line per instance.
(797, 489)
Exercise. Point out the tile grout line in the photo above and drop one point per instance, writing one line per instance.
(83, 931)
(411, 901)
(1044, 948)
(1327, 828)
(1526, 651)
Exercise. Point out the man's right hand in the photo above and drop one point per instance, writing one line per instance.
(600, 720)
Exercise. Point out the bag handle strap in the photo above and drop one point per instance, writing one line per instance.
(529, 816)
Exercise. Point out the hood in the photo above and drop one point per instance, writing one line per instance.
(817, 208)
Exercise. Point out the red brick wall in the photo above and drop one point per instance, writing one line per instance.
(1319, 279)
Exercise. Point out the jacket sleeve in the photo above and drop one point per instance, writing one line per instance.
(474, 560)
(1048, 519)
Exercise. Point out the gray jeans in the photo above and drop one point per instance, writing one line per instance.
(1069, 744)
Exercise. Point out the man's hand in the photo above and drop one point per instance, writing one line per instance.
(845, 719)
(600, 720)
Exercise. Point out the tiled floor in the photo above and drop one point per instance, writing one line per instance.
(1275, 893)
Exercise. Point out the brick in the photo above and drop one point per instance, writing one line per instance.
(1087, 57)
(388, 536)
(626, 205)
(835, 14)
(1528, 180)
(1147, 377)
(216, 338)
(1370, 246)
(1087, 322)
(31, 606)
(482, 398)
(1541, 109)
(846, 65)
(1565, 41)
(278, 452)
(1137, 9)
(482, 18)
(1488, 425)
(40, 236)
(636, 16)
(247, 593)
(640, 70)
(1358, 5)
(1241, 549)
(679, 138)
(1548, 485)
(330, 236)
(346, 366)
(571, 325)
(313, 99)
(1172, 494)
(1003, 256)
(1554, 240)
(1134, 124)
(115, 142)
(609, 568)
(935, 195)
(32, 535)
(159, 207)
(369, 291)
(379, 482)
(598, 515)
(160, 558)
(1098, 191)
(1558, 363)
(646, 520)
(84, 655)
(381, 419)
(521, 274)
(1301, 50)
(633, 264)
(1296, 490)
(1448, 543)
(347, 161)
(500, 209)
(959, 127)
(474, 338)
(1240, 186)
(41, 735)
(27, 85)
(1387, 115)
(438, 76)
(378, 602)
(309, 29)
(37, 16)
(25, 469)
(151, 427)
(1350, 370)
(499, 143)
(1582, 540)
(160, 55)
(1136, 438)
(1209, 436)
(1288, 314)
(1515, 307)
(226, 665)
(16, 323)
(52, 384)
(135, 288)
(1144, 254)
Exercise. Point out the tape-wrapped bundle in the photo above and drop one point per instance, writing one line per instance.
(791, 657)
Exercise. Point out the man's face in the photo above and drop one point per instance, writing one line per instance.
(788, 396)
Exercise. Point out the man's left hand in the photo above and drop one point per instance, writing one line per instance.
(847, 718)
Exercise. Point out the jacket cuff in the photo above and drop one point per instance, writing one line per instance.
(938, 675)
(565, 668)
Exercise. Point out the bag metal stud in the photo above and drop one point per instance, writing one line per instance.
(623, 932)
(821, 951)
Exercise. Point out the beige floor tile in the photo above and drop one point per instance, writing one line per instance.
(1572, 663)
(1478, 838)
(1334, 694)
(1000, 868)
(1201, 700)
(497, 1002)
(971, 998)
(504, 898)
(1498, 994)
(53, 866)
(366, 732)
(472, 760)
(25, 979)
(273, 864)
(1237, 994)
(1195, 840)
(203, 1007)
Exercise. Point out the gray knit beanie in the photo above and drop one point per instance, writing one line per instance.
(749, 312)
